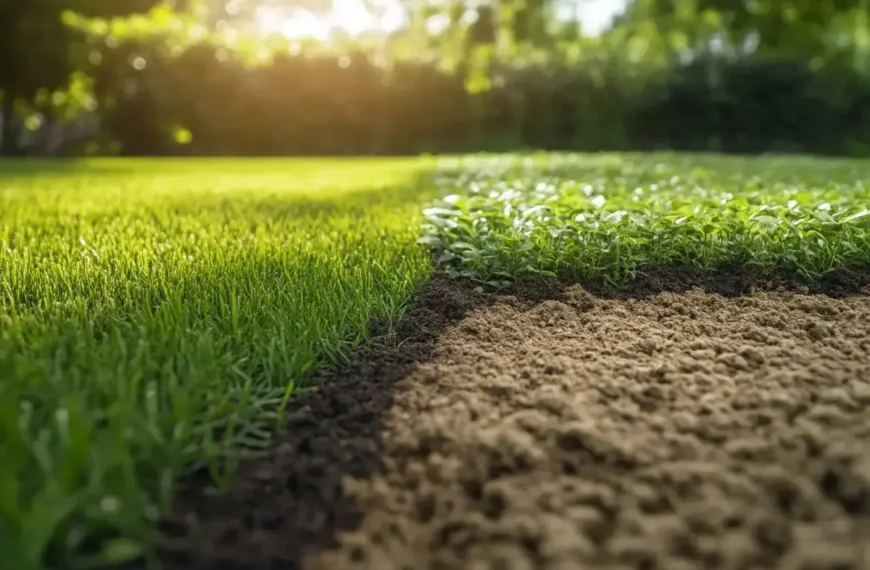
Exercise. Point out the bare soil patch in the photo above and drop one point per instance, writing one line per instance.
(562, 430)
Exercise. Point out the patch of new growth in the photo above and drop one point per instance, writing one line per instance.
(606, 217)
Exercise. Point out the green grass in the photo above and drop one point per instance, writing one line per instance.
(603, 217)
(155, 316)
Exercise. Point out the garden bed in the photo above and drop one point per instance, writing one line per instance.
(697, 426)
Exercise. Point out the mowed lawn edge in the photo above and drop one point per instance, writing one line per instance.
(155, 315)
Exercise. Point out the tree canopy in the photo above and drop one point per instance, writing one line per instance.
(521, 52)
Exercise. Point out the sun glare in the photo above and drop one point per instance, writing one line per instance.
(353, 18)
(346, 16)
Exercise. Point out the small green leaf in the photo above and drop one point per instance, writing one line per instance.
(857, 215)
(767, 221)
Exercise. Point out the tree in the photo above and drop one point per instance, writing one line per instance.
(33, 55)
(37, 51)
(784, 28)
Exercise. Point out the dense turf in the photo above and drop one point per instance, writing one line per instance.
(606, 216)
(155, 315)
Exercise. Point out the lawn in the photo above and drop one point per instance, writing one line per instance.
(155, 315)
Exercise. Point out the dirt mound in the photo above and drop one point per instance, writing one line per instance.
(681, 430)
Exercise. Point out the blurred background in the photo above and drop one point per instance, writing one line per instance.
(367, 77)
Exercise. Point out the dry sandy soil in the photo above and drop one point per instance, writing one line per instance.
(564, 430)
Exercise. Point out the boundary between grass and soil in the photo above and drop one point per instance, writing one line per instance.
(333, 430)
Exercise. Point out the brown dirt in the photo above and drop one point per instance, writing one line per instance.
(510, 432)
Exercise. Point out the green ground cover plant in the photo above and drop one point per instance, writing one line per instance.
(155, 316)
(606, 216)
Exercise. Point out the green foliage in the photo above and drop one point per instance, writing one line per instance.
(28, 60)
(608, 216)
(505, 78)
(155, 317)
(529, 79)
(349, 104)
(40, 52)
(780, 28)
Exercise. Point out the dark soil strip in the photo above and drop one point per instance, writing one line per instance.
(562, 430)
(293, 503)
(732, 282)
